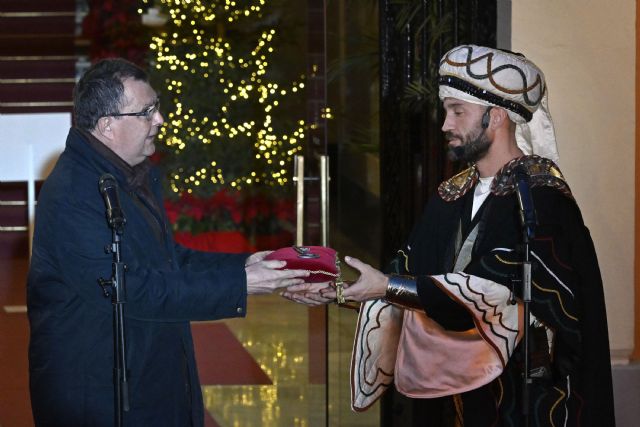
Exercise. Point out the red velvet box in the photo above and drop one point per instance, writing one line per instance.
(322, 262)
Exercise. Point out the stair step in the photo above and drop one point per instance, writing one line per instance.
(35, 81)
(13, 228)
(16, 190)
(14, 244)
(13, 190)
(13, 216)
(38, 5)
(25, 67)
(36, 92)
(13, 206)
(38, 44)
(37, 23)
(50, 107)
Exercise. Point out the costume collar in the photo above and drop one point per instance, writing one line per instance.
(458, 185)
(542, 173)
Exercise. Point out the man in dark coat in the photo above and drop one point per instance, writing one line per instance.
(71, 345)
(446, 326)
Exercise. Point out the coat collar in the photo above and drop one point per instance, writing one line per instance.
(103, 157)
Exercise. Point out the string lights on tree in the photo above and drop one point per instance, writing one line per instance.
(233, 119)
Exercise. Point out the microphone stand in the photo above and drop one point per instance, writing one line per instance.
(528, 220)
(115, 287)
(526, 299)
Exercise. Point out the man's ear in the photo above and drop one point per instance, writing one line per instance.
(499, 117)
(104, 127)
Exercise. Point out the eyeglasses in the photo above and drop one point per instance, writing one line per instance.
(147, 113)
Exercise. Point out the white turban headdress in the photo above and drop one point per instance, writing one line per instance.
(486, 76)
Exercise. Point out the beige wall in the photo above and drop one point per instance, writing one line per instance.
(586, 49)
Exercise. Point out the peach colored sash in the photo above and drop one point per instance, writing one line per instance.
(434, 362)
(426, 360)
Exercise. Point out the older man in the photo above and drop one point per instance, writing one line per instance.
(457, 341)
(71, 348)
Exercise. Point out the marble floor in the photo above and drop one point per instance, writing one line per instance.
(288, 342)
(275, 333)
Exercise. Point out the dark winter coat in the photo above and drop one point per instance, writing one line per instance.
(71, 345)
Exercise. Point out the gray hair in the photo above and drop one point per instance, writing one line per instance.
(100, 90)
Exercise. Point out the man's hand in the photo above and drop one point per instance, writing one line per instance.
(371, 284)
(263, 277)
(310, 294)
(256, 257)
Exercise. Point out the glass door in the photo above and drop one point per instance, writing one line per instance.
(355, 211)
(337, 180)
(336, 186)
(311, 145)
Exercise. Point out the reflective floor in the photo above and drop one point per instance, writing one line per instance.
(270, 347)
(275, 333)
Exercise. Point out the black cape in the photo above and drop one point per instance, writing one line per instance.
(567, 296)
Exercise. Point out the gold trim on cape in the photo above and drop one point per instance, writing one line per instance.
(458, 185)
(542, 173)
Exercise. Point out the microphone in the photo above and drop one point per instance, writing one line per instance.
(486, 118)
(527, 210)
(109, 190)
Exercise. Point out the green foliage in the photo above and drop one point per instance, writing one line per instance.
(231, 88)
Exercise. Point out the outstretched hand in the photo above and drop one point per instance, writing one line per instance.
(265, 276)
(310, 294)
(371, 284)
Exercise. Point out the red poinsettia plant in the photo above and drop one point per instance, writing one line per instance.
(232, 220)
(114, 29)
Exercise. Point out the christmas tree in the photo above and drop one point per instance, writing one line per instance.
(234, 106)
(232, 93)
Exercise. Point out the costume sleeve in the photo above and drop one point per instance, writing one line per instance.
(421, 252)
(484, 288)
(160, 286)
(441, 307)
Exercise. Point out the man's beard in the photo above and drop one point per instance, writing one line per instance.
(472, 149)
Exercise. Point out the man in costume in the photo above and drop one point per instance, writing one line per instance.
(447, 324)
(71, 350)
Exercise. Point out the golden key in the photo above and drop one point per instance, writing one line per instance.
(339, 292)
